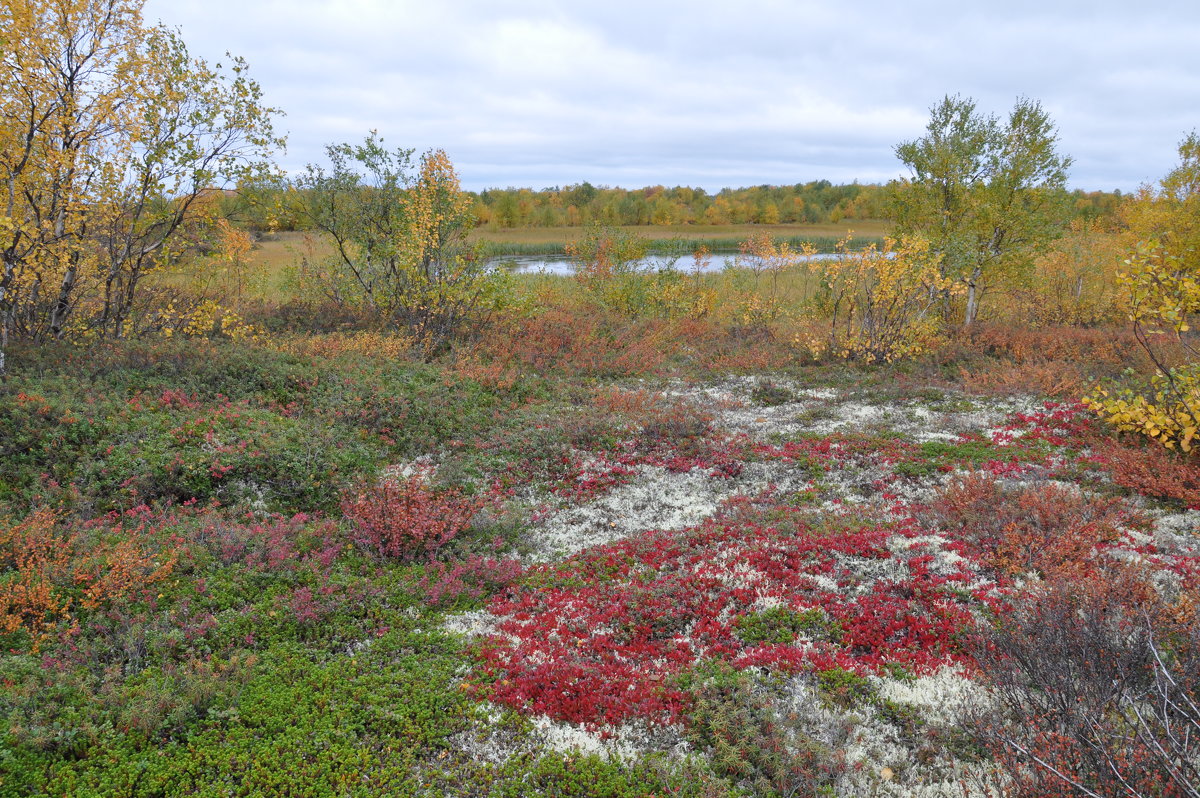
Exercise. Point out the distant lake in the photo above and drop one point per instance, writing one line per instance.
(561, 264)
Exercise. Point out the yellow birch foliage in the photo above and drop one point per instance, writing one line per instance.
(1162, 281)
(111, 136)
(761, 289)
(1073, 281)
(881, 300)
(1164, 294)
(71, 81)
(444, 286)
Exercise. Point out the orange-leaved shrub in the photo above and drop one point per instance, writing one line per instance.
(1150, 470)
(49, 568)
(1046, 529)
(1057, 361)
(579, 342)
(1020, 343)
(34, 559)
(120, 570)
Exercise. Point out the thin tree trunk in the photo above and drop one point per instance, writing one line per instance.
(4, 323)
(6, 282)
(62, 305)
(972, 298)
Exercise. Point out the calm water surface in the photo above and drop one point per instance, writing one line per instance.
(560, 264)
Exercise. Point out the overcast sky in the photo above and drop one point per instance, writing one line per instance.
(708, 93)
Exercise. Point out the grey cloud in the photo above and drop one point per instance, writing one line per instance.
(542, 92)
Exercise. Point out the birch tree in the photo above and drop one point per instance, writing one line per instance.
(109, 133)
(983, 192)
(399, 235)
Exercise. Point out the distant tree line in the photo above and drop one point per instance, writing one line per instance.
(578, 205)
(815, 202)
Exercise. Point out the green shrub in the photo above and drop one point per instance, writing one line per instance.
(782, 625)
(768, 393)
(750, 743)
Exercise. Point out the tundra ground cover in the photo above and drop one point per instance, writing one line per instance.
(842, 561)
(699, 585)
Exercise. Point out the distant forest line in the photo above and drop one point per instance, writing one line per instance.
(815, 202)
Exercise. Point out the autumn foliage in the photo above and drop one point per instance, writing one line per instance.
(407, 518)
(1096, 688)
(51, 567)
(1047, 530)
(1162, 279)
(236, 529)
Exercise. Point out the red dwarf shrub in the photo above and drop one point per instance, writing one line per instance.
(1068, 424)
(1045, 529)
(601, 638)
(1151, 470)
(407, 518)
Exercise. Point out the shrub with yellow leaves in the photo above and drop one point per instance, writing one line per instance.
(1164, 294)
(1166, 411)
(611, 266)
(881, 300)
(359, 343)
(763, 288)
(1073, 281)
(205, 319)
(1163, 285)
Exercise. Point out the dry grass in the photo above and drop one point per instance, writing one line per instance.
(271, 258)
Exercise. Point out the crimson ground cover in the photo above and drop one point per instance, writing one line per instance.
(597, 640)
(604, 637)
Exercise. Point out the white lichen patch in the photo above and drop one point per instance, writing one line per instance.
(946, 698)
(884, 756)
(625, 741)
(852, 417)
(655, 499)
(499, 737)
(887, 759)
(1178, 528)
(827, 411)
(731, 403)
(945, 561)
(471, 624)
